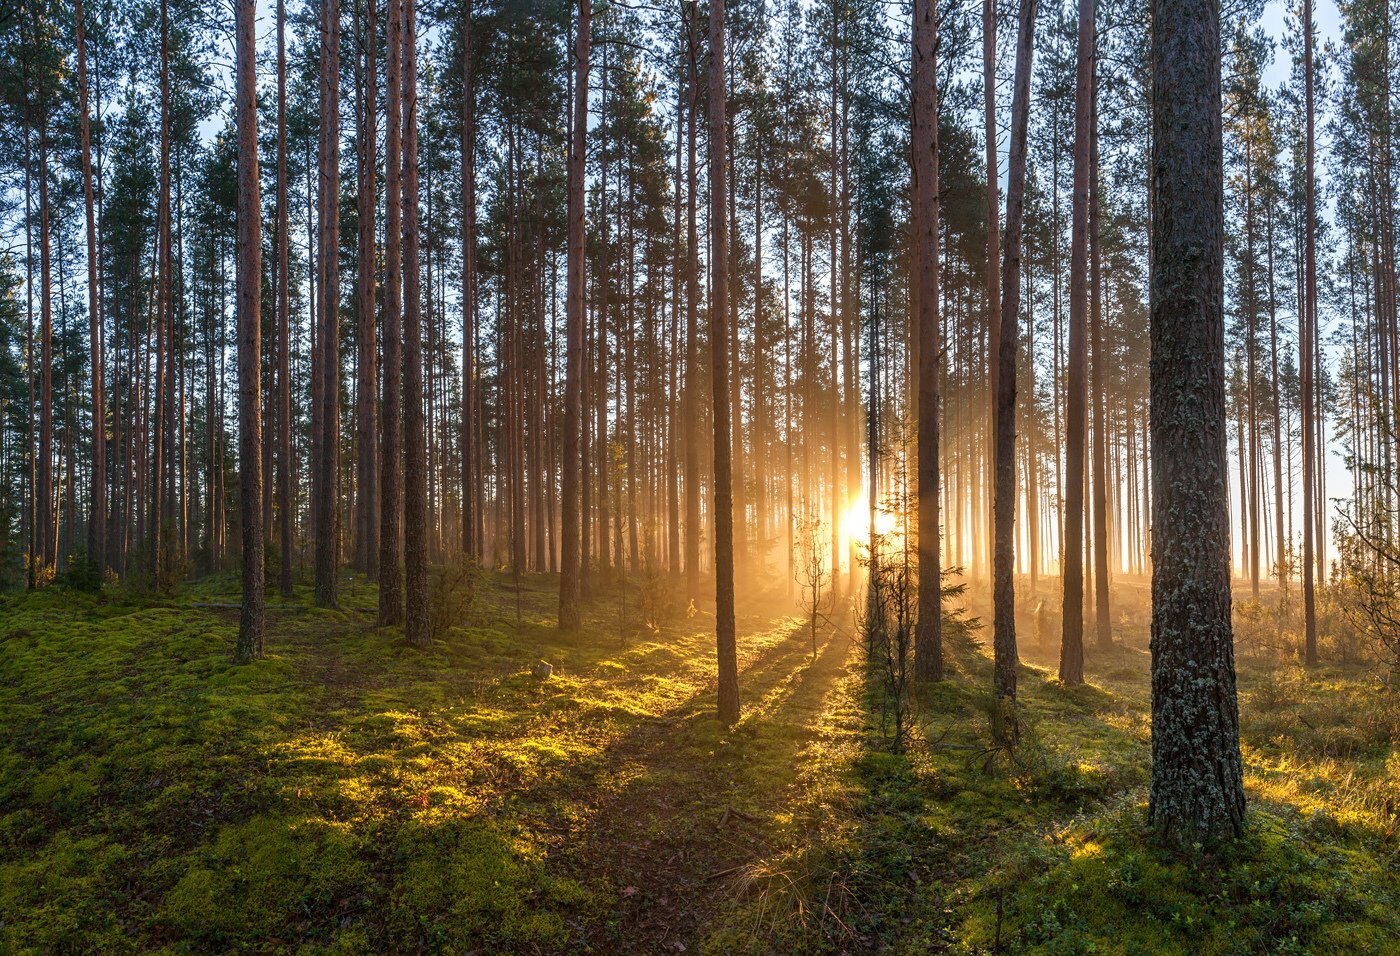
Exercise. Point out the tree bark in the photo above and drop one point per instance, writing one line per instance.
(391, 462)
(415, 488)
(1307, 332)
(725, 641)
(1197, 791)
(1072, 557)
(928, 635)
(325, 476)
(97, 515)
(249, 274)
(286, 507)
(366, 465)
(468, 451)
(570, 589)
(1008, 344)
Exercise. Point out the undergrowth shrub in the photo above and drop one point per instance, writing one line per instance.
(80, 573)
(451, 595)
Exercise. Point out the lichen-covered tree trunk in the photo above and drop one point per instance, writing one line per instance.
(570, 615)
(249, 298)
(415, 481)
(1008, 344)
(928, 634)
(1197, 787)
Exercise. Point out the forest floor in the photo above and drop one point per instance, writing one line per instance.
(351, 794)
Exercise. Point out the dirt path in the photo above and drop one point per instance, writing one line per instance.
(697, 811)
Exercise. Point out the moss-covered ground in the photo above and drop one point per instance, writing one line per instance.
(351, 794)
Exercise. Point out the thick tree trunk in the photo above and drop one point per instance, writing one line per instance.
(1004, 509)
(725, 641)
(415, 490)
(928, 635)
(249, 276)
(1197, 780)
(391, 459)
(570, 590)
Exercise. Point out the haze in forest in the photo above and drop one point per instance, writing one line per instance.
(819, 475)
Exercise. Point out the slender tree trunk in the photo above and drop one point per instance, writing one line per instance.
(250, 619)
(287, 505)
(1197, 789)
(325, 478)
(1072, 647)
(468, 451)
(366, 465)
(928, 636)
(693, 402)
(415, 451)
(97, 516)
(1307, 338)
(1004, 510)
(570, 596)
(725, 640)
(1102, 615)
(391, 460)
(992, 269)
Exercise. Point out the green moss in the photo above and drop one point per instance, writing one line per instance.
(349, 794)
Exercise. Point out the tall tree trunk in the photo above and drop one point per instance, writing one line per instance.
(366, 465)
(1072, 557)
(468, 452)
(992, 266)
(928, 635)
(1197, 789)
(391, 416)
(287, 505)
(725, 641)
(97, 515)
(693, 403)
(1102, 615)
(249, 275)
(1307, 332)
(1004, 509)
(325, 478)
(570, 612)
(415, 489)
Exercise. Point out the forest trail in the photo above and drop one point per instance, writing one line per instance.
(690, 837)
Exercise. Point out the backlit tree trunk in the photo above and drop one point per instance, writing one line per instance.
(570, 614)
(415, 484)
(1004, 582)
(928, 636)
(249, 295)
(1197, 781)
(725, 641)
